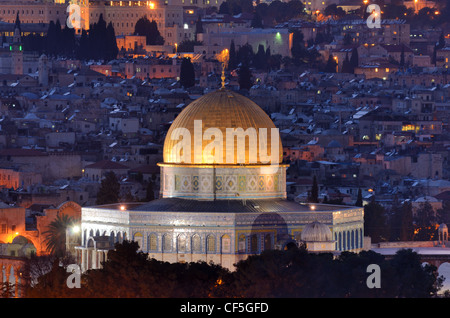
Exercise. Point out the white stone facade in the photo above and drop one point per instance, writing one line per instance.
(221, 237)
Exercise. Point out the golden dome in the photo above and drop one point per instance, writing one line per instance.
(222, 109)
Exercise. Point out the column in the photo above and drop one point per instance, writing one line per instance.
(16, 283)
(83, 259)
(94, 258)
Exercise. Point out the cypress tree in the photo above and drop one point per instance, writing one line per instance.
(314, 194)
(330, 67)
(359, 199)
(198, 26)
(256, 21)
(298, 48)
(111, 49)
(354, 59)
(83, 49)
(245, 77)
(51, 39)
(260, 58)
(232, 59)
(150, 29)
(109, 190)
(187, 73)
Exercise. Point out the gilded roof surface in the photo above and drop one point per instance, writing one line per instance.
(221, 109)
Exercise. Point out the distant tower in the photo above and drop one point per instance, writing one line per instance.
(16, 49)
(43, 70)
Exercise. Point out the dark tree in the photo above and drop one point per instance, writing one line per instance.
(314, 194)
(84, 49)
(354, 59)
(260, 60)
(245, 77)
(257, 21)
(408, 278)
(198, 26)
(407, 226)
(150, 29)
(331, 65)
(111, 49)
(347, 39)
(224, 8)
(346, 66)
(109, 191)
(298, 47)
(375, 221)
(51, 41)
(232, 58)
(245, 54)
(150, 192)
(188, 46)
(425, 223)
(359, 199)
(68, 42)
(187, 73)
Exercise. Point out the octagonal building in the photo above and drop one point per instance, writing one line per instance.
(222, 197)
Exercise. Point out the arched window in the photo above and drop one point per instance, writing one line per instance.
(267, 242)
(196, 243)
(167, 242)
(226, 244)
(152, 242)
(181, 240)
(138, 238)
(241, 243)
(254, 243)
(211, 244)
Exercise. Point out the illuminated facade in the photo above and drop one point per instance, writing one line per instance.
(217, 210)
(279, 40)
(122, 14)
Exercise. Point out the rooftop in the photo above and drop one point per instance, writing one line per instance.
(232, 206)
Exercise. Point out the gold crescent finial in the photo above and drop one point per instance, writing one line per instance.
(223, 76)
(223, 57)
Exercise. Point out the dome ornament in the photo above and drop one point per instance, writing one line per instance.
(223, 57)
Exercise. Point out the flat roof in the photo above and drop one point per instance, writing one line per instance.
(230, 206)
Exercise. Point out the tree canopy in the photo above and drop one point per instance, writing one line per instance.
(148, 28)
(129, 273)
(109, 191)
